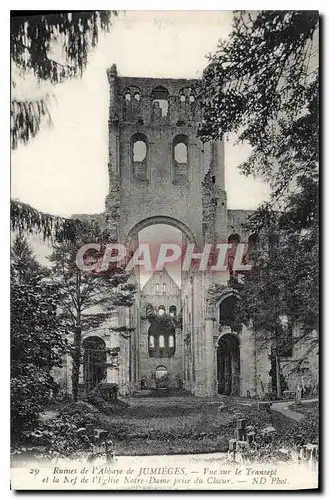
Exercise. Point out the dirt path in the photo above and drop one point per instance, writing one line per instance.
(283, 408)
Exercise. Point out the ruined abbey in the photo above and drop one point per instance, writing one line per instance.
(174, 336)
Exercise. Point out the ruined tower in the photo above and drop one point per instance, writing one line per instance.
(161, 173)
(157, 164)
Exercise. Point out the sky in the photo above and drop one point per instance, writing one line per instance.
(64, 169)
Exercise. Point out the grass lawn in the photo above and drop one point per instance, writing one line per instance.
(165, 426)
(175, 425)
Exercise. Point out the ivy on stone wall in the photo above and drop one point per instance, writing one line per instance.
(112, 203)
(209, 207)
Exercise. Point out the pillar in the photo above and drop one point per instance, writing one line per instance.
(202, 339)
(112, 368)
(248, 359)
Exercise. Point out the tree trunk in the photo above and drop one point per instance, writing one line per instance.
(277, 369)
(76, 362)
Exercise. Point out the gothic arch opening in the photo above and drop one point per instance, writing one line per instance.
(226, 310)
(228, 365)
(94, 361)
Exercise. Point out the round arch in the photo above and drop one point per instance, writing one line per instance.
(159, 219)
(224, 336)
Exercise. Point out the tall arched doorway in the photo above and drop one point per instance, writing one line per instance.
(94, 361)
(228, 365)
(161, 377)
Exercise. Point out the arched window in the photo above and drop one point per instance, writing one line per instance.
(160, 102)
(164, 288)
(139, 151)
(234, 238)
(139, 156)
(161, 337)
(180, 159)
(157, 288)
(173, 311)
(132, 92)
(187, 95)
(162, 310)
(227, 312)
(180, 152)
(180, 145)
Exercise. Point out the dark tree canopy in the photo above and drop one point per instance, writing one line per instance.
(262, 84)
(38, 337)
(52, 47)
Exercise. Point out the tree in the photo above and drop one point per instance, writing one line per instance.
(86, 298)
(52, 48)
(262, 84)
(37, 338)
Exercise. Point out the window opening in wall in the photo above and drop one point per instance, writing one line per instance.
(164, 288)
(157, 288)
(187, 94)
(160, 99)
(171, 341)
(139, 156)
(162, 310)
(161, 341)
(180, 159)
(137, 96)
(151, 342)
(213, 179)
(139, 151)
(234, 238)
(180, 152)
(172, 311)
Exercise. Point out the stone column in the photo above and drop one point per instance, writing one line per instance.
(112, 365)
(202, 339)
(247, 362)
